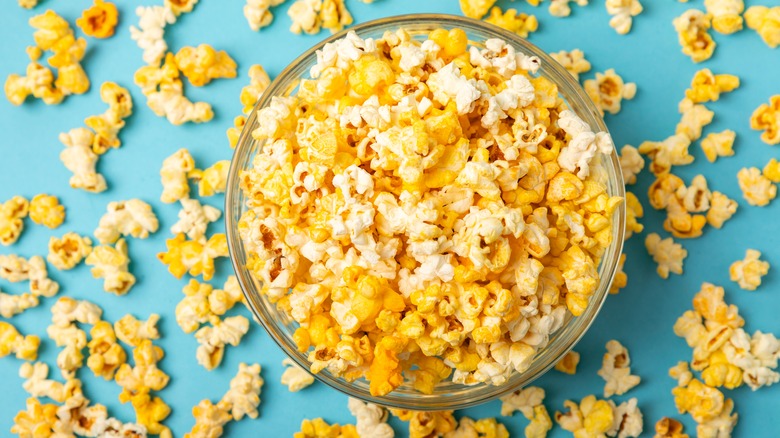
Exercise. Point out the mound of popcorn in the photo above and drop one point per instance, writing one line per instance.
(408, 210)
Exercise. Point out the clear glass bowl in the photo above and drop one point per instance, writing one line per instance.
(447, 395)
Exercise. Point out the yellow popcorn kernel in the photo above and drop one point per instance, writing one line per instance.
(431, 371)
(696, 42)
(757, 189)
(772, 170)
(669, 428)
(202, 64)
(149, 412)
(615, 370)
(111, 264)
(318, 428)
(476, 8)
(28, 4)
(701, 401)
(719, 372)
(707, 87)
(709, 303)
(519, 23)
(37, 421)
(726, 15)
(173, 175)
(385, 370)
(211, 180)
(591, 417)
(369, 75)
(634, 211)
(258, 82)
(305, 16)
(99, 20)
(766, 22)
(621, 279)
(193, 256)
(578, 268)
(718, 144)
(608, 90)
(11, 342)
(105, 354)
(574, 62)
(133, 332)
(622, 12)
(334, 15)
(568, 364)
(179, 7)
(666, 253)
(209, 419)
(46, 210)
(455, 41)
(12, 213)
(748, 272)
(721, 209)
(673, 151)
(213, 339)
(767, 118)
(693, 120)
(295, 377)
(234, 132)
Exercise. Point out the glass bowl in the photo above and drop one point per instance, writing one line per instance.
(447, 395)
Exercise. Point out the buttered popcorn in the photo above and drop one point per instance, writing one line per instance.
(421, 215)
(767, 118)
(693, 33)
(608, 90)
(15, 269)
(46, 210)
(757, 189)
(568, 364)
(173, 175)
(748, 272)
(726, 15)
(622, 12)
(138, 381)
(195, 257)
(616, 371)
(707, 87)
(295, 377)
(213, 179)
(520, 23)
(529, 401)
(68, 251)
(202, 64)
(668, 254)
(12, 342)
(766, 22)
(194, 219)
(309, 16)
(574, 62)
(126, 218)
(12, 214)
(133, 332)
(213, 339)
(631, 163)
(258, 12)
(112, 265)
(718, 144)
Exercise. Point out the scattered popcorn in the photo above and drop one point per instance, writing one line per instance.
(591, 417)
(561, 8)
(15, 269)
(757, 189)
(523, 400)
(608, 90)
(11, 305)
(476, 8)
(622, 12)
(574, 62)
(767, 118)
(258, 82)
(12, 214)
(772, 171)
(371, 419)
(726, 15)
(28, 4)
(194, 219)
(295, 377)
(667, 254)
(12, 342)
(568, 364)
(99, 20)
(631, 163)
(766, 22)
(305, 16)
(621, 278)
(179, 7)
(673, 151)
(105, 354)
(173, 175)
(243, 397)
(696, 42)
(193, 256)
(133, 332)
(748, 272)
(212, 339)
(634, 211)
(669, 428)
(234, 132)
(149, 35)
(721, 209)
(520, 23)
(137, 382)
(318, 428)
(258, 12)
(628, 420)
(334, 15)
(693, 120)
(707, 87)
(202, 64)
(201, 303)
(426, 423)
(718, 144)
(79, 158)
(68, 251)
(213, 179)
(616, 371)
(112, 265)
(126, 218)
(46, 210)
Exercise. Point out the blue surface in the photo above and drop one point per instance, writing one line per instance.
(641, 316)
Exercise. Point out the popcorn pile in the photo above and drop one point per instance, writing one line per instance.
(422, 215)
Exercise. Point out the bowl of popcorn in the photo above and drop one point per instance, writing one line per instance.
(425, 212)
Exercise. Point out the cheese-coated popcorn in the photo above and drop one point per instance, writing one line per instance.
(608, 90)
(68, 251)
(772, 170)
(574, 62)
(615, 369)
(427, 423)
(211, 180)
(37, 421)
(105, 354)
(568, 364)
(693, 120)
(591, 418)
(523, 400)
(707, 87)
(628, 420)
(748, 272)
(561, 8)
(195, 257)
(718, 144)
(673, 151)
(46, 210)
(112, 265)
(212, 339)
(721, 209)
(258, 12)
(767, 117)
(519, 23)
(757, 189)
(80, 159)
(334, 15)
(669, 428)
(149, 35)
(132, 331)
(476, 8)
(202, 64)
(126, 218)
(622, 12)
(692, 31)
(12, 214)
(766, 22)
(12, 342)
(295, 377)
(244, 393)
(668, 254)
(194, 219)
(371, 420)
(726, 15)
(173, 175)
(99, 20)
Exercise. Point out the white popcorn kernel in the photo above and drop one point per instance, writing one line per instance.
(295, 377)
(126, 218)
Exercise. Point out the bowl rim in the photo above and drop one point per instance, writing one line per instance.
(560, 76)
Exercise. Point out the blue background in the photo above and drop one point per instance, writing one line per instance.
(641, 316)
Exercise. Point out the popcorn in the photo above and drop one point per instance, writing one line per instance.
(574, 62)
(209, 419)
(707, 87)
(748, 272)
(703, 402)
(484, 427)
(79, 158)
(234, 132)
(628, 421)
(126, 218)
(726, 15)
(12, 342)
(584, 144)
(243, 397)
(136, 383)
(608, 90)
(195, 257)
(319, 428)
(194, 219)
(669, 428)
(37, 420)
(718, 144)
(38, 82)
(696, 42)
(202, 64)
(693, 120)
(173, 174)
(295, 377)
(334, 15)
(591, 417)
(46, 210)
(767, 118)
(757, 189)
(28, 4)
(423, 423)
(568, 364)
(133, 332)
(631, 163)
(371, 419)
(560, 8)
(634, 211)
(38, 385)
(616, 371)
(149, 35)
(305, 16)
(70, 359)
(105, 354)
(202, 302)
(622, 12)
(766, 22)
(11, 305)
(523, 400)
(772, 170)
(111, 264)
(14, 269)
(673, 151)
(721, 209)
(213, 179)
(179, 7)
(68, 251)
(476, 8)
(666, 253)
(522, 24)
(212, 339)
(258, 82)
(12, 213)
(258, 12)
(106, 126)
(99, 20)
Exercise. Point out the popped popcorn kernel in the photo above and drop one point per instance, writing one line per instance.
(757, 189)
(12, 342)
(112, 265)
(99, 20)
(726, 15)
(476, 8)
(693, 120)
(668, 254)
(334, 15)
(11, 305)
(561, 8)
(673, 151)
(305, 16)
(622, 12)
(133, 332)
(243, 397)
(234, 132)
(15, 269)
(105, 354)
(213, 339)
(149, 35)
(573, 61)
(38, 420)
(137, 381)
(520, 23)
(209, 419)
(707, 87)
(194, 219)
(46, 210)
(126, 218)
(591, 417)
(79, 158)
(68, 251)
(523, 400)
(258, 82)
(767, 118)
(211, 180)
(258, 12)
(486, 427)
(615, 369)
(772, 170)
(718, 144)
(568, 364)
(631, 163)
(179, 7)
(748, 272)
(703, 402)
(173, 175)
(766, 22)
(669, 428)
(634, 211)
(628, 420)
(295, 377)
(371, 419)
(427, 423)
(202, 64)
(721, 209)
(28, 4)
(12, 214)
(692, 31)
(195, 257)
(608, 90)
(318, 428)
(621, 278)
